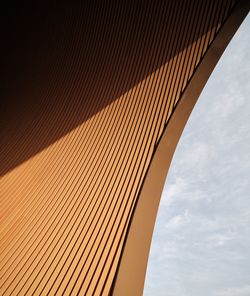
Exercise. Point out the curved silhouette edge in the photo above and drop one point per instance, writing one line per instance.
(131, 273)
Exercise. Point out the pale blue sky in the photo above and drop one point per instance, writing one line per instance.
(201, 242)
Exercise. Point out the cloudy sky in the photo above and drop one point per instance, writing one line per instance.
(201, 242)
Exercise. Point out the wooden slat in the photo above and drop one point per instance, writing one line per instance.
(100, 86)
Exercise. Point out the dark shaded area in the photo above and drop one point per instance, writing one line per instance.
(62, 63)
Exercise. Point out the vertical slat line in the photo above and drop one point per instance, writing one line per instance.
(182, 39)
(204, 28)
(130, 220)
(58, 251)
(44, 111)
(172, 67)
(71, 116)
(164, 78)
(170, 53)
(97, 86)
(190, 40)
(152, 43)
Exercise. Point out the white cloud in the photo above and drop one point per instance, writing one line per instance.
(201, 243)
(219, 239)
(178, 221)
(236, 291)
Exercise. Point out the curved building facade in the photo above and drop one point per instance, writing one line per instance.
(94, 98)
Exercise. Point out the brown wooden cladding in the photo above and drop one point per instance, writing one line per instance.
(88, 92)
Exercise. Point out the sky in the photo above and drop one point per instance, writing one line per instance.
(201, 241)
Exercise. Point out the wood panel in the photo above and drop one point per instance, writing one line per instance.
(88, 92)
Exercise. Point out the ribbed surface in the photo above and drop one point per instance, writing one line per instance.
(84, 110)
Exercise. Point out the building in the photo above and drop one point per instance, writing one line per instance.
(94, 100)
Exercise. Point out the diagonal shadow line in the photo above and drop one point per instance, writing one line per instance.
(63, 64)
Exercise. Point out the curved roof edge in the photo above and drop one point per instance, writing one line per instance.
(131, 273)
